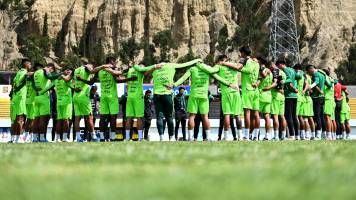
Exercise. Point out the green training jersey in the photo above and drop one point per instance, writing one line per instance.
(300, 81)
(41, 82)
(199, 82)
(345, 107)
(108, 84)
(84, 74)
(249, 75)
(135, 88)
(266, 96)
(329, 88)
(31, 92)
(164, 76)
(63, 92)
(291, 78)
(319, 79)
(275, 91)
(229, 75)
(18, 81)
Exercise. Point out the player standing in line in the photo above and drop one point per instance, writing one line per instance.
(42, 82)
(18, 101)
(307, 109)
(63, 90)
(302, 88)
(163, 75)
(180, 110)
(345, 117)
(149, 111)
(81, 99)
(290, 92)
(30, 106)
(135, 104)
(198, 101)
(329, 108)
(317, 87)
(266, 84)
(278, 102)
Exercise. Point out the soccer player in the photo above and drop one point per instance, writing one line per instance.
(290, 92)
(278, 102)
(149, 111)
(180, 110)
(163, 75)
(317, 87)
(306, 109)
(30, 106)
(199, 99)
(345, 117)
(329, 109)
(266, 84)
(64, 104)
(338, 89)
(301, 87)
(18, 101)
(135, 104)
(42, 82)
(81, 99)
(250, 99)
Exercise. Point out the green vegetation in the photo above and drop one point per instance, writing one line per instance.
(129, 51)
(224, 170)
(347, 69)
(166, 43)
(36, 48)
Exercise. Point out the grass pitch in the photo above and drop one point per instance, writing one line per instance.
(263, 170)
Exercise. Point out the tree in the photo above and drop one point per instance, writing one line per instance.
(252, 16)
(224, 42)
(347, 69)
(97, 54)
(149, 50)
(36, 48)
(165, 41)
(45, 26)
(130, 49)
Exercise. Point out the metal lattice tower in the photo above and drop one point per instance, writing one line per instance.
(283, 31)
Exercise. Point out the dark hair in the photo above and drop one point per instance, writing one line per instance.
(297, 66)
(221, 58)
(51, 65)
(281, 62)
(262, 59)
(181, 88)
(309, 67)
(67, 68)
(25, 60)
(148, 91)
(37, 66)
(327, 71)
(246, 50)
(110, 59)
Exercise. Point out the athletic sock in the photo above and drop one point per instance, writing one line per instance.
(42, 137)
(347, 136)
(312, 135)
(101, 135)
(343, 135)
(57, 137)
(93, 136)
(48, 136)
(284, 133)
(318, 134)
(323, 134)
(268, 135)
(307, 134)
(275, 134)
(78, 137)
(246, 133)
(127, 136)
(190, 133)
(302, 134)
(328, 135)
(160, 137)
(65, 136)
(35, 137)
(207, 134)
(255, 133)
(140, 135)
(113, 135)
(239, 133)
(225, 134)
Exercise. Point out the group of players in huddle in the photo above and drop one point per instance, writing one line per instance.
(303, 102)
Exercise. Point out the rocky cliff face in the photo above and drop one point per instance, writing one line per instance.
(330, 29)
(194, 23)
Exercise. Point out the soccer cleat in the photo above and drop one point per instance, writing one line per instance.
(246, 139)
(172, 139)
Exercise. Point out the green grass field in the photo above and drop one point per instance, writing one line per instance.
(285, 170)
